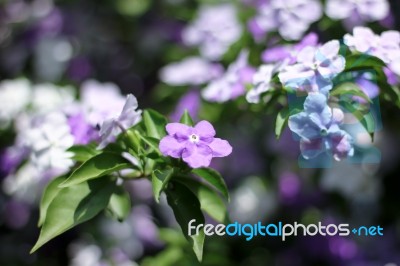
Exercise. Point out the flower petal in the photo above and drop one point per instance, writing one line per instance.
(177, 128)
(311, 148)
(204, 129)
(197, 155)
(169, 146)
(220, 147)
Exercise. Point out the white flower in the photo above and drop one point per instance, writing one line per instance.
(214, 30)
(49, 97)
(129, 117)
(363, 10)
(190, 71)
(48, 142)
(261, 81)
(14, 98)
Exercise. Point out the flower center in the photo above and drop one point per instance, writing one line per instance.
(194, 138)
(324, 132)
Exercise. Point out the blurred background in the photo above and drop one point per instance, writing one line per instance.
(51, 50)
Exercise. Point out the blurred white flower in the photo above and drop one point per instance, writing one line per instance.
(214, 30)
(113, 126)
(48, 142)
(14, 98)
(261, 82)
(49, 97)
(190, 71)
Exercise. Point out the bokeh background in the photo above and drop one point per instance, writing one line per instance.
(126, 42)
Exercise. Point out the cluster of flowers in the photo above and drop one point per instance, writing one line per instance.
(48, 120)
(308, 66)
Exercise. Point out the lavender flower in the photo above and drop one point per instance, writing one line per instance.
(357, 12)
(190, 71)
(196, 145)
(112, 127)
(315, 68)
(291, 18)
(319, 130)
(287, 54)
(190, 102)
(232, 84)
(364, 40)
(82, 131)
(261, 82)
(214, 30)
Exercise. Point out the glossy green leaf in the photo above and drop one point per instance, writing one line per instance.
(186, 207)
(152, 143)
(210, 201)
(97, 166)
(74, 205)
(186, 119)
(120, 204)
(83, 153)
(155, 123)
(49, 193)
(349, 88)
(159, 180)
(281, 121)
(363, 61)
(214, 178)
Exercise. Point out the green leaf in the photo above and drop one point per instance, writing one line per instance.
(159, 180)
(155, 123)
(363, 61)
(281, 121)
(83, 153)
(152, 143)
(50, 192)
(98, 166)
(74, 205)
(120, 204)
(210, 201)
(350, 89)
(186, 119)
(186, 207)
(214, 178)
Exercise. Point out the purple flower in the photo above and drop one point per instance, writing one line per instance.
(112, 127)
(315, 68)
(288, 53)
(356, 12)
(261, 82)
(319, 130)
(196, 145)
(190, 102)
(291, 18)
(232, 84)
(82, 131)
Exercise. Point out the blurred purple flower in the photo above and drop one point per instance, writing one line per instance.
(291, 18)
(233, 83)
(82, 131)
(190, 102)
(214, 30)
(288, 53)
(16, 214)
(196, 145)
(318, 130)
(357, 12)
(190, 71)
(289, 186)
(315, 68)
